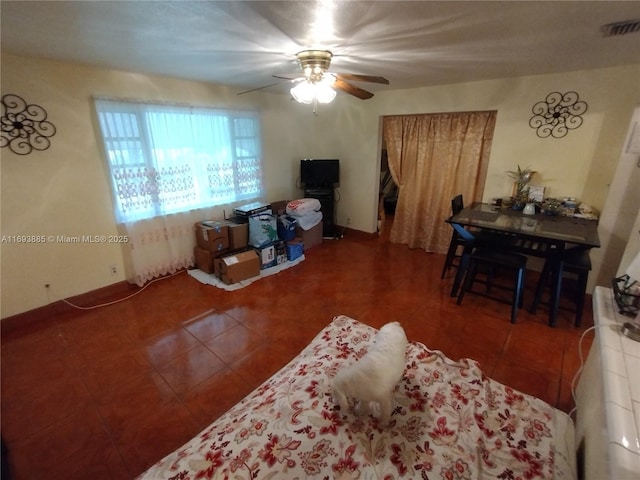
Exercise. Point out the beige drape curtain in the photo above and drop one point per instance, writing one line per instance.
(432, 158)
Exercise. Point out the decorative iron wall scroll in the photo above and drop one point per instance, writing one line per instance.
(557, 114)
(24, 127)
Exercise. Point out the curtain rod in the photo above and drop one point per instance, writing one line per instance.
(438, 113)
(168, 103)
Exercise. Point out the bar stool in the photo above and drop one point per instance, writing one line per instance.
(468, 242)
(453, 258)
(577, 263)
(491, 260)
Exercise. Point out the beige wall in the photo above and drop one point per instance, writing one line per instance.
(64, 190)
(580, 165)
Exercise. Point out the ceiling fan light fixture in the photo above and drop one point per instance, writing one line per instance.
(320, 91)
(325, 94)
(315, 60)
(302, 92)
(324, 91)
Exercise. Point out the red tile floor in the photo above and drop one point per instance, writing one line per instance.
(105, 393)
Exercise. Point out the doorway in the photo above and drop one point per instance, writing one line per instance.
(387, 193)
(431, 158)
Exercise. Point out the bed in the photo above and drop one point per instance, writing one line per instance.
(450, 422)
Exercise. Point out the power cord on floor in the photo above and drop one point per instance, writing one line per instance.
(166, 277)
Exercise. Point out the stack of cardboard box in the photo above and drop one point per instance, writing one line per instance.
(299, 240)
(223, 249)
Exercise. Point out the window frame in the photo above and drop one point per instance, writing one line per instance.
(202, 189)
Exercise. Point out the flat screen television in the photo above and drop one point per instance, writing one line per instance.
(319, 172)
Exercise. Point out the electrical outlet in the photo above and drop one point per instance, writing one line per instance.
(113, 268)
(348, 221)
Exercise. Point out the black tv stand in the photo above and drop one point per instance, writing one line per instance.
(326, 196)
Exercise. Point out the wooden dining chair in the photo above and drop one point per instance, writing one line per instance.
(457, 242)
(489, 255)
(575, 264)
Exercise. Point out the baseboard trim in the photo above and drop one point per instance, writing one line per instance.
(23, 322)
(356, 234)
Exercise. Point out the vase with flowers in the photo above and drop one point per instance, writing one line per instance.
(522, 177)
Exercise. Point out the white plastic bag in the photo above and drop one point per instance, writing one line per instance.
(263, 230)
(303, 206)
(309, 220)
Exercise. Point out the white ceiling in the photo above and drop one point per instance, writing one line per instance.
(242, 44)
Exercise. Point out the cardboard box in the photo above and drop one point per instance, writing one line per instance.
(281, 252)
(238, 235)
(311, 237)
(212, 235)
(238, 267)
(295, 248)
(216, 264)
(204, 259)
(267, 256)
(279, 207)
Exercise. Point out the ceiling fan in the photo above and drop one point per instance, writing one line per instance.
(318, 85)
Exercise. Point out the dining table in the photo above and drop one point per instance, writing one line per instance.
(540, 234)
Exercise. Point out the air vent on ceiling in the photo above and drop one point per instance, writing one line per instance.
(620, 28)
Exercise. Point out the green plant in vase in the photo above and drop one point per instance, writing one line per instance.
(522, 177)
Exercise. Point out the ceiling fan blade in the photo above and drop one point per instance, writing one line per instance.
(346, 87)
(362, 78)
(291, 79)
(259, 88)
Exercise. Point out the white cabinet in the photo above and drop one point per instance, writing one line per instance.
(608, 398)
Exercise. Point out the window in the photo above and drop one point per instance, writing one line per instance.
(166, 159)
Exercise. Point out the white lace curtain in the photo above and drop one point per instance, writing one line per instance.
(169, 165)
(162, 245)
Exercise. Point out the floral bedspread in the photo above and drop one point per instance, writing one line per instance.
(450, 422)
